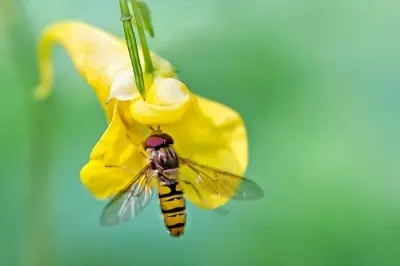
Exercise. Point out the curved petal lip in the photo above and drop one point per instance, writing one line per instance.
(150, 114)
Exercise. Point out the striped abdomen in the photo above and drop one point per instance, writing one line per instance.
(172, 205)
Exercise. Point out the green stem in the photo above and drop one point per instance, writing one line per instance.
(145, 48)
(132, 46)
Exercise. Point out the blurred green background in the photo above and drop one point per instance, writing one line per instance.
(317, 83)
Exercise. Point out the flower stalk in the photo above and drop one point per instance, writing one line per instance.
(140, 28)
(132, 46)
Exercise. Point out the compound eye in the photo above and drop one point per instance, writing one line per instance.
(154, 142)
(168, 139)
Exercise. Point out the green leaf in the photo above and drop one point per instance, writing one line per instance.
(132, 46)
(137, 13)
(146, 18)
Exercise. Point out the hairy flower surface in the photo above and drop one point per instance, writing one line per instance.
(204, 131)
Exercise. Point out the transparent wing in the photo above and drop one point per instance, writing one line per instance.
(221, 183)
(127, 204)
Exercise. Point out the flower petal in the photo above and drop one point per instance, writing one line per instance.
(114, 160)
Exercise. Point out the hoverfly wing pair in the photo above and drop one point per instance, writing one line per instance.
(222, 183)
(131, 201)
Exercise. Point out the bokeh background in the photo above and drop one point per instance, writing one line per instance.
(317, 83)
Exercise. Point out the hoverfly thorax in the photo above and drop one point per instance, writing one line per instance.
(161, 153)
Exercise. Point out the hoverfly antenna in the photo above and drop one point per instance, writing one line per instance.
(154, 131)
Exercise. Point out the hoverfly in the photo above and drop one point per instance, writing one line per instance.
(163, 165)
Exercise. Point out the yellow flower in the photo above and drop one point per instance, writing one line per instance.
(204, 131)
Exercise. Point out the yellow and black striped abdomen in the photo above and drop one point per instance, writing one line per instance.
(172, 205)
